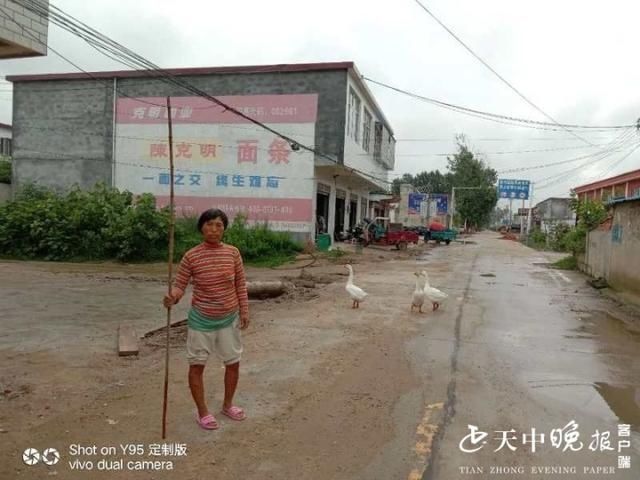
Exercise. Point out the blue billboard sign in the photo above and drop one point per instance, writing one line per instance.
(441, 199)
(513, 189)
(415, 199)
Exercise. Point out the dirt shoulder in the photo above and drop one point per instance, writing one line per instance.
(316, 375)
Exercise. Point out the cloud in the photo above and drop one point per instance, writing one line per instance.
(573, 59)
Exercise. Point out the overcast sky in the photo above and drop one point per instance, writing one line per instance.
(576, 60)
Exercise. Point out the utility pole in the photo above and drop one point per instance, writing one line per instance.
(530, 215)
(452, 207)
(510, 213)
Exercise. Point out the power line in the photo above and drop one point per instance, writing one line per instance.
(506, 119)
(512, 152)
(618, 162)
(614, 146)
(103, 135)
(77, 157)
(555, 179)
(521, 95)
(489, 139)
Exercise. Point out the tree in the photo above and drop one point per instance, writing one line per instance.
(432, 182)
(590, 214)
(465, 170)
(406, 178)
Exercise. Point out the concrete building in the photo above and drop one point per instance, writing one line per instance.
(6, 133)
(626, 185)
(553, 211)
(111, 127)
(23, 29)
(612, 249)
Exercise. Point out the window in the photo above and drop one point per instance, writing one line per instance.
(366, 131)
(377, 142)
(353, 116)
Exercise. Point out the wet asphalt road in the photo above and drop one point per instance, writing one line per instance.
(521, 349)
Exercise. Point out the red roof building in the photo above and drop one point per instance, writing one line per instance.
(626, 185)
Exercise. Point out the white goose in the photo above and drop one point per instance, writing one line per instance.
(418, 294)
(356, 293)
(433, 294)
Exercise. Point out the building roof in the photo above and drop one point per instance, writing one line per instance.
(608, 182)
(616, 201)
(562, 199)
(283, 67)
(242, 69)
(5, 125)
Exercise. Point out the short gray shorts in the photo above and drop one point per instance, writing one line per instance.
(225, 343)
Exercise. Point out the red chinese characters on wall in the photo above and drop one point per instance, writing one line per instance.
(279, 151)
(185, 150)
(248, 151)
(159, 150)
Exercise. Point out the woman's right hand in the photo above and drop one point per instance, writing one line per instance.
(171, 299)
(168, 301)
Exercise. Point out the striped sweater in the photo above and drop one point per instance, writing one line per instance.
(217, 275)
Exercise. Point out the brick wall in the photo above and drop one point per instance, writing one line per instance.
(26, 30)
(63, 128)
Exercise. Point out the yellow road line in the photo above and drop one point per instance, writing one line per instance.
(425, 431)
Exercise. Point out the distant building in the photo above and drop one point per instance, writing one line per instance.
(625, 185)
(554, 211)
(23, 30)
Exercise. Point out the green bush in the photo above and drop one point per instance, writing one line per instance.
(107, 224)
(258, 244)
(538, 238)
(566, 263)
(5, 171)
(575, 240)
(558, 237)
(85, 225)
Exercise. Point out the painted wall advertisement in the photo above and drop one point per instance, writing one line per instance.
(440, 203)
(221, 160)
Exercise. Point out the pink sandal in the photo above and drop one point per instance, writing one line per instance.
(234, 413)
(208, 422)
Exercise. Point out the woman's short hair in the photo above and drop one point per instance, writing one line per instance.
(212, 214)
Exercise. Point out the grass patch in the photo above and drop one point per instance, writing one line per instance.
(566, 263)
(334, 255)
(271, 261)
(259, 246)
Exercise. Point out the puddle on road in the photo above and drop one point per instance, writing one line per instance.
(623, 401)
(609, 335)
(605, 327)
